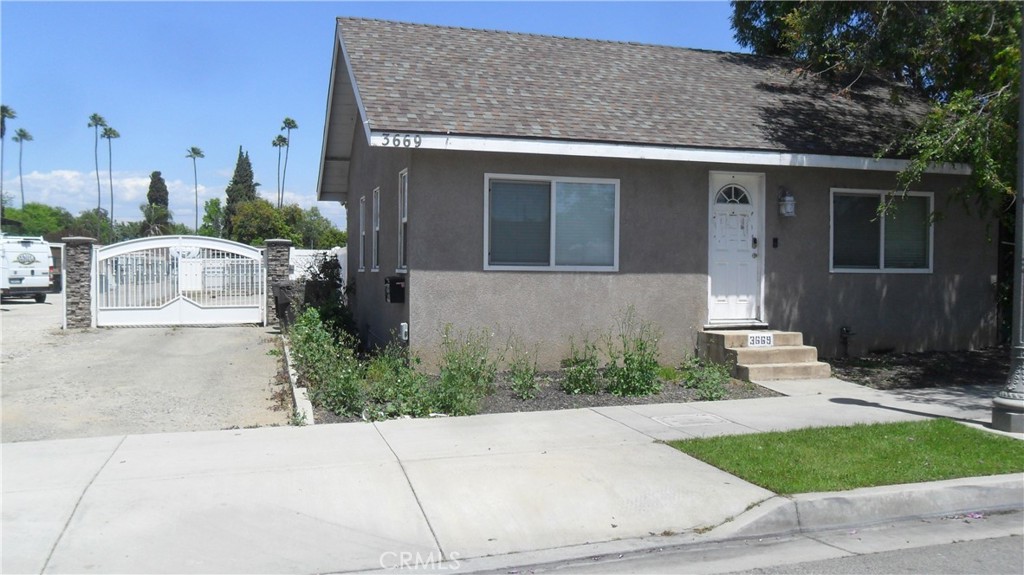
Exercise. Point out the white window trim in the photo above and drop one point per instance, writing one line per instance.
(375, 255)
(553, 267)
(362, 234)
(403, 219)
(880, 194)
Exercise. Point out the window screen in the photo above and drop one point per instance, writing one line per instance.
(584, 224)
(906, 234)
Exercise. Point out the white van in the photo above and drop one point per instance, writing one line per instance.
(26, 267)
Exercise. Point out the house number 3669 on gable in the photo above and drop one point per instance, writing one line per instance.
(402, 140)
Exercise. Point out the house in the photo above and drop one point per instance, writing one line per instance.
(544, 184)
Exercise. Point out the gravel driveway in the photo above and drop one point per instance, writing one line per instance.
(57, 384)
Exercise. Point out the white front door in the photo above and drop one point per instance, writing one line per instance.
(735, 242)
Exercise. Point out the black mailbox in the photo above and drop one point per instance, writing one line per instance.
(394, 289)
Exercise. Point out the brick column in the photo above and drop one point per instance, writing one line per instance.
(78, 282)
(276, 256)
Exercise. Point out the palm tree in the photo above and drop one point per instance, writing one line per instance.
(155, 220)
(96, 121)
(195, 153)
(279, 142)
(6, 113)
(110, 133)
(21, 136)
(289, 125)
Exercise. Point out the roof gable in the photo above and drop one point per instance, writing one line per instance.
(466, 83)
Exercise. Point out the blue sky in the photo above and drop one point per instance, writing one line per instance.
(219, 75)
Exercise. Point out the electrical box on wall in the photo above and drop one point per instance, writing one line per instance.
(394, 289)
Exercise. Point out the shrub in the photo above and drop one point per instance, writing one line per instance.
(395, 388)
(329, 367)
(636, 345)
(342, 391)
(579, 370)
(522, 369)
(467, 371)
(322, 290)
(311, 343)
(706, 377)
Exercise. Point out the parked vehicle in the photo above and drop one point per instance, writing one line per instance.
(26, 267)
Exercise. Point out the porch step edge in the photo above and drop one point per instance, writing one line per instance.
(772, 355)
(738, 338)
(770, 371)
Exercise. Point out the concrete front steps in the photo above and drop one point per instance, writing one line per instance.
(786, 358)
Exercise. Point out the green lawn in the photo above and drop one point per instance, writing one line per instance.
(841, 458)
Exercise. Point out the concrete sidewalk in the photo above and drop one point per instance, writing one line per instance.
(480, 492)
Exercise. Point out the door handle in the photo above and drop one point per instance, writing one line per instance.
(753, 243)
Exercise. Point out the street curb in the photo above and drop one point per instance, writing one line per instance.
(781, 516)
(300, 395)
(867, 506)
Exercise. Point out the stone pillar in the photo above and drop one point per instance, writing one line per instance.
(276, 256)
(78, 282)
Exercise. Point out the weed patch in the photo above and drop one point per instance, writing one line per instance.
(522, 368)
(467, 369)
(632, 349)
(330, 367)
(395, 388)
(669, 374)
(580, 371)
(344, 385)
(707, 378)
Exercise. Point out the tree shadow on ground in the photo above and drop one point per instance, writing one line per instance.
(945, 369)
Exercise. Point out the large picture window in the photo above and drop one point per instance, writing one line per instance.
(540, 223)
(863, 241)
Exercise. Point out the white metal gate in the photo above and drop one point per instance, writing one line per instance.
(179, 280)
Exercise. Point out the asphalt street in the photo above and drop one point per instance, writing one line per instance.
(1001, 556)
(957, 544)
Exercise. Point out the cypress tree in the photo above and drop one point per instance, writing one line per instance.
(242, 188)
(157, 194)
(156, 212)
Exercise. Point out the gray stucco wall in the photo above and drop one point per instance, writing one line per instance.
(665, 283)
(662, 260)
(375, 317)
(954, 307)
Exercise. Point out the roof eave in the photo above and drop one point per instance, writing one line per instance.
(502, 144)
(344, 110)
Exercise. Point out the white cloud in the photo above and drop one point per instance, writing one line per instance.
(330, 210)
(75, 191)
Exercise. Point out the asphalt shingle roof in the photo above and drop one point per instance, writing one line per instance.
(432, 79)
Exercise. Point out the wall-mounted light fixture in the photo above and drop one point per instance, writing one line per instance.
(787, 203)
